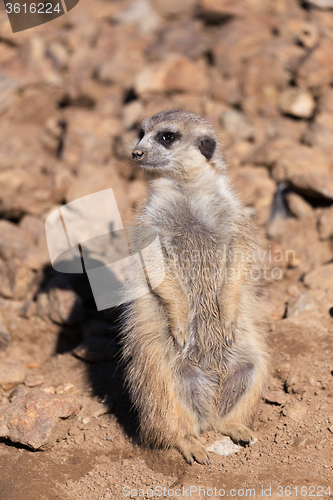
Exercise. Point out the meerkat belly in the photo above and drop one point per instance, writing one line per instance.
(199, 263)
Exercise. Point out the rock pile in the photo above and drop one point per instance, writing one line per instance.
(71, 97)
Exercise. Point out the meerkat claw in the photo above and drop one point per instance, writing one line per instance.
(180, 337)
(229, 334)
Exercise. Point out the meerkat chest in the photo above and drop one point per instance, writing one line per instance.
(194, 233)
(196, 250)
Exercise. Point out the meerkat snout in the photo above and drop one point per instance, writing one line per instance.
(138, 154)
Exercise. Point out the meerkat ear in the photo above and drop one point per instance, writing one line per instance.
(207, 145)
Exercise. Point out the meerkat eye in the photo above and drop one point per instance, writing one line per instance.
(167, 137)
(141, 134)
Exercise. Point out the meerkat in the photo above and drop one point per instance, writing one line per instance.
(195, 355)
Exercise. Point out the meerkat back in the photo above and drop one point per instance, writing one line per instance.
(194, 354)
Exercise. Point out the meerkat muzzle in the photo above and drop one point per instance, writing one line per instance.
(138, 154)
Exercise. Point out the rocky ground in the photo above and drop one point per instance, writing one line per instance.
(72, 93)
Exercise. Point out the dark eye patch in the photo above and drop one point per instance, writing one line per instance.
(166, 137)
(141, 134)
(207, 146)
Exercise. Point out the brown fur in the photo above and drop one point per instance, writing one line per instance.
(195, 355)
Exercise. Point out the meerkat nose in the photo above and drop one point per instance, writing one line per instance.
(138, 154)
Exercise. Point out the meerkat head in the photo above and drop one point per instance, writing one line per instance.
(176, 143)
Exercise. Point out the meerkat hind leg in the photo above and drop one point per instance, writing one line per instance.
(239, 396)
(191, 448)
(238, 432)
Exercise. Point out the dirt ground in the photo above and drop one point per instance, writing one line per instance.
(100, 457)
(72, 94)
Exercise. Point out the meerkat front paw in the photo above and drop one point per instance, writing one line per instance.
(179, 333)
(228, 330)
(192, 449)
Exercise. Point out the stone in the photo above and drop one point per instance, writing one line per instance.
(66, 307)
(314, 302)
(321, 4)
(28, 309)
(43, 305)
(52, 136)
(300, 31)
(237, 42)
(297, 102)
(236, 125)
(58, 54)
(5, 337)
(38, 257)
(15, 242)
(27, 186)
(294, 385)
(174, 8)
(17, 280)
(276, 397)
(319, 136)
(186, 38)
(286, 127)
(321, 130)
(66, 389)
(88, 137)
(140, 13)
(217, 10)
(325, 223)
(300, 246)
(271, 151)
(297, 205)
(191, 102)
(228, 90)
(317, 69)
(225, 446)
(325, 100)
(275, 303)
(126, 58)
(91, 179)
(325, 20)
(284, 54)
(175, 73)
(309, 170)
(8, 86)
(321, 278)
(34, 227)
(36, 419)
(264, 79)
(297, 411)
(12, 373)
(254, 186)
